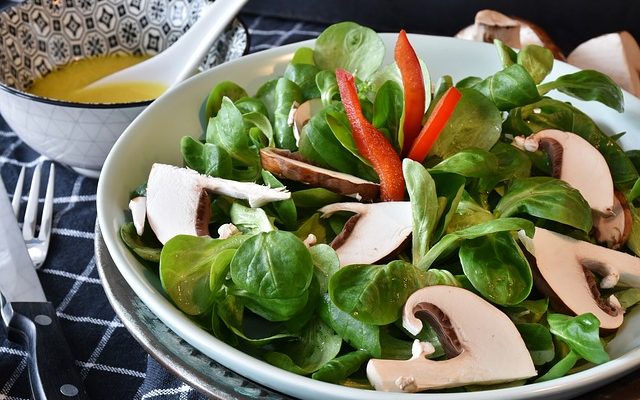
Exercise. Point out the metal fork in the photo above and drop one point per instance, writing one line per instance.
(37, 246)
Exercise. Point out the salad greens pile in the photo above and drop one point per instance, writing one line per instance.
(291, 304)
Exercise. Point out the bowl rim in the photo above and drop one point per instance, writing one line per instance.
(73, 104)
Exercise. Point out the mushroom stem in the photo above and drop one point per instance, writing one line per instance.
(256, 195)
(310, 240)
(615, 263)
(610, 275)
(421, 349)
(225, 231)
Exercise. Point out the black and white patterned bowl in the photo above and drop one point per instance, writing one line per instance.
(39, 36)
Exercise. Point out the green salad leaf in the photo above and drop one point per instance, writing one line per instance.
(185, 270)
(375, 294)
(424, 207)
(475, 123)
(341, 367)
(206, 158)
(452, 241)
(581, 333)
(537, 60)
(512, 87)
(351, 46)
(547, 198)
(358, 334)
(497, 268)
(317, 345)
(223, 89)
(539, 342)
(273, 265)
(588, 85)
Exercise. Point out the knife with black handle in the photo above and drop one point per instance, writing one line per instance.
(30, 319)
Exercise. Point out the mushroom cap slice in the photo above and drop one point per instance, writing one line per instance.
(376, 231)
(178, 200)
(577, 162)
(563, 263)
(285, 164)
(615, 54)
(488, 347)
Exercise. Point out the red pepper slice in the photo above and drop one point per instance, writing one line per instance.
(370, 142)
(413, 84)
(434, 125)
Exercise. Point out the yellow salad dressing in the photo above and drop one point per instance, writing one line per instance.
(68, 83)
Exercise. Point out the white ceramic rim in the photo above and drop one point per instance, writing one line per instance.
(259, 371)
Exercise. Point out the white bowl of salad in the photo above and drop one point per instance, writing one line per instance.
(327, 220)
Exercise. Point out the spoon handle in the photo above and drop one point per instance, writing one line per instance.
(182, 58)
(211, 23)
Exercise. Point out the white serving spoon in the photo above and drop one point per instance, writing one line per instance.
(182, 58)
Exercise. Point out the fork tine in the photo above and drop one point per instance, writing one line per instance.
(47, 210)
(17, 193)
(30, 214)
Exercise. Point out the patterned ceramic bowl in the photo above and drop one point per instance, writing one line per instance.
(39, 36)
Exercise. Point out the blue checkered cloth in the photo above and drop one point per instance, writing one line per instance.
(111, 362)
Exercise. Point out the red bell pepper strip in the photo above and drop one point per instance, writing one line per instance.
(434, 125)
(413, 85)
(370, 142)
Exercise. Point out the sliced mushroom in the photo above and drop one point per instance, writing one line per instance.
(615, 54)
(285, 164)
(483, 345)
(178, 201)
(138, 207)
(614, 230)
(514, 32)
(494, 25)
(566, 266)
(531, 33)
(310, 241)
(577, 162)
(225, 231)
(301, 114)
(374, 232)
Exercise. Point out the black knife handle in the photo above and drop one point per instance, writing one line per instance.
(52, 371)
